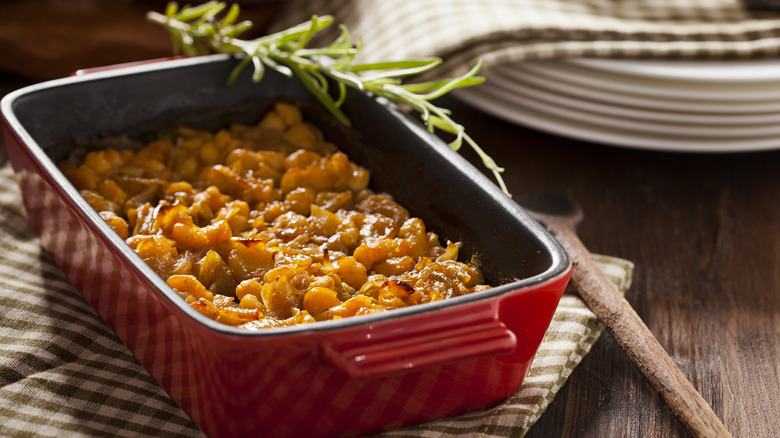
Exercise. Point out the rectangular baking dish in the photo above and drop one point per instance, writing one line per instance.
(349, 377)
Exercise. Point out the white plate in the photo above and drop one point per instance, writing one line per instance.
(742, 71)
(637, 101)
(524, 93)
(670, 89)
(493, 100)
(584, 115)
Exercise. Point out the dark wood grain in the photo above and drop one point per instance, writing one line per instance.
(704, 233)
(48, 39)
(621, 320)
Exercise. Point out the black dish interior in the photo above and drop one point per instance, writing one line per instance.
(453, 198)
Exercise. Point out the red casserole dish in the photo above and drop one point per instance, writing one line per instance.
(349, 377)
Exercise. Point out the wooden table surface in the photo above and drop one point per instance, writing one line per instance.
(704, 233)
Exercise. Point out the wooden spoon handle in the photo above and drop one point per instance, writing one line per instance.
(633, 336)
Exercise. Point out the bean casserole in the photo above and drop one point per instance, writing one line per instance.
(268, 225)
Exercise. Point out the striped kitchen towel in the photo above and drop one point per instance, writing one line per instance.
(573, 331)
(63, 372)
(462, 32)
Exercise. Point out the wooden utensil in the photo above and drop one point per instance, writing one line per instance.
(561, 216)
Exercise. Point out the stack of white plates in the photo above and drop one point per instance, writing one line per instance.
(665, 105)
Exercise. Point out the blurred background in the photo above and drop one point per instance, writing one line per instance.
(48, 39)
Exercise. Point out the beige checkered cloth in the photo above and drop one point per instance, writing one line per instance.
(63, 372)
(461, 32)
(573, 331)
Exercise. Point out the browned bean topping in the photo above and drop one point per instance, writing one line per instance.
(269, 225)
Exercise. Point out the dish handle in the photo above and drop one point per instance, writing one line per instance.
(85, 71)
(448, 338)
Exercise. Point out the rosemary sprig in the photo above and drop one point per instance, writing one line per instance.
(198, 30)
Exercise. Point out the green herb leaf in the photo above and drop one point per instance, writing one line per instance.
(190, 13)
(392, 65)
(231, 16)
(259, 69)
(198, 29)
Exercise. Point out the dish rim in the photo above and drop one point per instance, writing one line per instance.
(559, 261)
